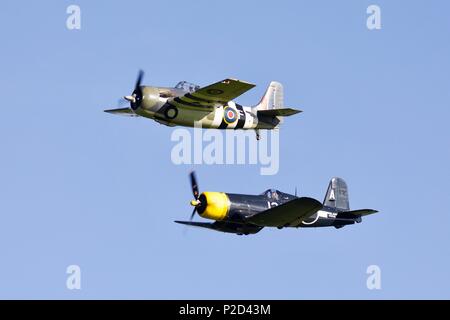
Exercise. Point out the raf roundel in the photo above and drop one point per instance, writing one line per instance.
(229, 115)
(171, 113)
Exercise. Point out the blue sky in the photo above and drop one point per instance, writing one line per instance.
(79, 186)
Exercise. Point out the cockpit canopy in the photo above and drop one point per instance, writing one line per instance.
(273, 194)
(187, 86)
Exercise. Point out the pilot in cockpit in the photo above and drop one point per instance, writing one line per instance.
(272, 194)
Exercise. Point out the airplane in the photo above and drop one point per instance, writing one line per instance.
(247, 214)
(211, 106)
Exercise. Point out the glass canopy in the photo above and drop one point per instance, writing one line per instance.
(187, 86)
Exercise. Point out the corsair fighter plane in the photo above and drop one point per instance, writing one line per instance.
(248, 214)
(212, 106)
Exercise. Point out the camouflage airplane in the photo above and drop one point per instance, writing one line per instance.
(210, 106)
(248, 214)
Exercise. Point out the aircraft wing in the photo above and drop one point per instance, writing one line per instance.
(286, 213)
(123, 112)
(224, 226)
(214, 95)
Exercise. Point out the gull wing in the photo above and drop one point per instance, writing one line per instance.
(286, 213)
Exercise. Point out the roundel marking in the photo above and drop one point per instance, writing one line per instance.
(171, 113)
(214, 92)
(230, 115)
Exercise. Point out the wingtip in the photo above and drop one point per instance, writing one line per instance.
(241, 81)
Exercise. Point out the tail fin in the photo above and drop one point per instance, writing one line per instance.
(271, 107)
(273, 98)
(337, 195)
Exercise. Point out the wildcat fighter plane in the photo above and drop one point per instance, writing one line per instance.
(212, 107)
(248, 214)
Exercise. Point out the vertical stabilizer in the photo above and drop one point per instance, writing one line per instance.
(273, 98)
(337, 195)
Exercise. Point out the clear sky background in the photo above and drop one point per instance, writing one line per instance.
(78, 186)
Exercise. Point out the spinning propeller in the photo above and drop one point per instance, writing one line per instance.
(136, 97)
(195, 203)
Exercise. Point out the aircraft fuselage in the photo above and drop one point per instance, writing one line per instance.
(236, 208)
(179, 111)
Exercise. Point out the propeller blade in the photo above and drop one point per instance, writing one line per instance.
(193, 214)
(122, 102)
(194, 185)
(136, 98)
(139, 79)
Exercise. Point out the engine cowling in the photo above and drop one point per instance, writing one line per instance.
(214, 205)
(146, 99)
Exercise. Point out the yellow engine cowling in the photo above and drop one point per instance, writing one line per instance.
(214, 205)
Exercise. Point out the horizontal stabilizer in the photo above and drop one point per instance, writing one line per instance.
(283, 112)
(361, 212)
(122, 112)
